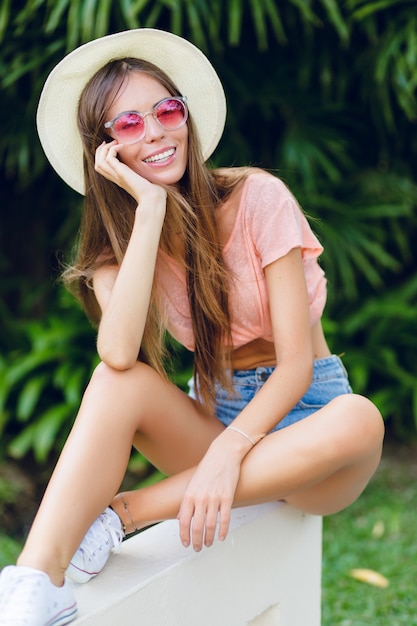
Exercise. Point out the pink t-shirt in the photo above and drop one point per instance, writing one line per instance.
(269, 223)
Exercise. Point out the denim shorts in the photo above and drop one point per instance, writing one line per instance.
(329, 380)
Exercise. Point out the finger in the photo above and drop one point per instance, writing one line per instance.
(101, 155)
(225, 511)
(104, 147)
(184, 517)
(197, 527)
(112, 152)
(211, 524)
(107, 162)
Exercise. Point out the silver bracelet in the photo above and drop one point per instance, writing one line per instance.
(237, 430)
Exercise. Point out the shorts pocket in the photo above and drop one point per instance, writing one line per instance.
(321, 392)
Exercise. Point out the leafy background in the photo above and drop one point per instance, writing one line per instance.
(320, 92)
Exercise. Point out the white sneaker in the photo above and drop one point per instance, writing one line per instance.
(28, 598)
(103, 536)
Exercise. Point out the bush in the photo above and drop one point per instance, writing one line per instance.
(42, 379)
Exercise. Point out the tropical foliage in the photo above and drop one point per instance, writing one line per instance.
(321, 93)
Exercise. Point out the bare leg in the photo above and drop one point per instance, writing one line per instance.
(115, 407)
(319, 465)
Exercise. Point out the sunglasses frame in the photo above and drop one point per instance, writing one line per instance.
(152, 112)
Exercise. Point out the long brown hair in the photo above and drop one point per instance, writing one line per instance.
(107, 223)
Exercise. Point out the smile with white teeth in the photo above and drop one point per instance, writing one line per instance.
(160, 157)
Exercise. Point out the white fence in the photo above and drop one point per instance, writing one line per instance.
(266, 573)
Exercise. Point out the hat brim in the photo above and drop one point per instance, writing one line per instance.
(185, 64)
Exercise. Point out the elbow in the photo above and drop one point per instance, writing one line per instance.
(117, 359)
(120, 365)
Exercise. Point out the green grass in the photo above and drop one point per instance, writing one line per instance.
(377, 532)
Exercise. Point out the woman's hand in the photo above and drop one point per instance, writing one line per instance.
(109, 165)
(210, 493)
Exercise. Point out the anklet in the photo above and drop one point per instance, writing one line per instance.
(129, 516)
(237, 430)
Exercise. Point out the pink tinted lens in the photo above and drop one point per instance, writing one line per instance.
(129, 127)
(171, 114)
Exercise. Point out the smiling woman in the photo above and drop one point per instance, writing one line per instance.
(226, 261)
(153, 144)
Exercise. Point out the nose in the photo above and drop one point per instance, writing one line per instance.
(153, 130)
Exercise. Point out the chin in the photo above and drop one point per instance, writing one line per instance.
(164, 178)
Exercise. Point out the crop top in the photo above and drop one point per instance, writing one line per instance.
(268, 224)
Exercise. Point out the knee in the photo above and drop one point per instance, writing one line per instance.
(370, 415)
(134, 383)
(127, 392)
(104, 374)
(361, 416)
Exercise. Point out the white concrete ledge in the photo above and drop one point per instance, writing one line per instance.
(267, 573)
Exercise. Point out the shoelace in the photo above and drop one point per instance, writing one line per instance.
(99, 534)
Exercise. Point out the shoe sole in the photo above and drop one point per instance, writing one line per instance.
(78, 575)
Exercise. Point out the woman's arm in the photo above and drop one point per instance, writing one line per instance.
(123, 293)
(289, 309)
(211, 489)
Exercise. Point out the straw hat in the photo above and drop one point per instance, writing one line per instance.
(185, 64)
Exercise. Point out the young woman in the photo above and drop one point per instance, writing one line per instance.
(226, 262)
